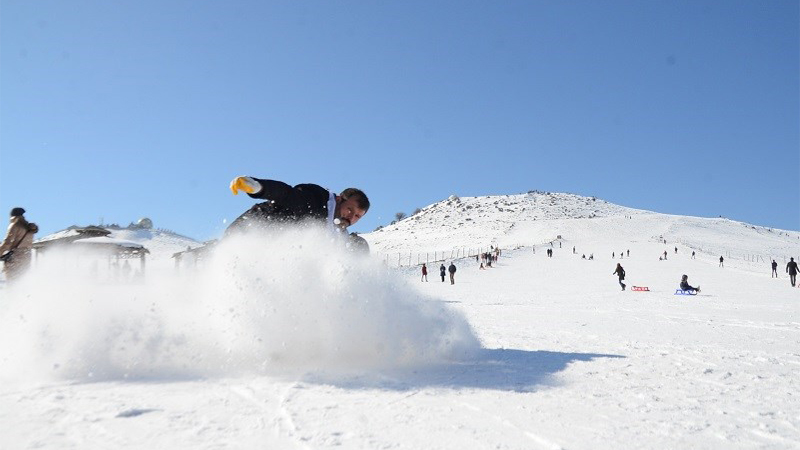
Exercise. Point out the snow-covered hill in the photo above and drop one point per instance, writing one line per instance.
(312, 347)
(535, 218)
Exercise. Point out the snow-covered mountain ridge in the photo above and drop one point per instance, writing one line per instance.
(538, 217)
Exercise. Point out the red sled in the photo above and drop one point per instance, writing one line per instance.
(640, 288)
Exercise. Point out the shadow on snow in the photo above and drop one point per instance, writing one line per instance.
(496, 369)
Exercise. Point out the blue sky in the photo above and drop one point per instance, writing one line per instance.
(120, 110)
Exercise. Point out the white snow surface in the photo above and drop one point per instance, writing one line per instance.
(290, 342)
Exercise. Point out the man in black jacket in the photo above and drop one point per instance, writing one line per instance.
(287, 204)
(791, 267)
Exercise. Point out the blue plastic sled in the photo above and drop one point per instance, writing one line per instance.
(682, 292)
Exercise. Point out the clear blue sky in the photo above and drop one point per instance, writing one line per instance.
(122, 110)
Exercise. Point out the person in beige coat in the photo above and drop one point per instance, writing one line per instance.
(18, 242)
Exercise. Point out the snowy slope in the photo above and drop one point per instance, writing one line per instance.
(309, 349)
(536, 218)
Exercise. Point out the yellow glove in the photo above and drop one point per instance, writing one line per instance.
(246, 184)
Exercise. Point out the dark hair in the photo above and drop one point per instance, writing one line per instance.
(358, 195)
(16, 212)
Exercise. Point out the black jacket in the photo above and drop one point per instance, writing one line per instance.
(284, 204)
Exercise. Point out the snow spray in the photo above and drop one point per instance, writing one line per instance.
(294, 300)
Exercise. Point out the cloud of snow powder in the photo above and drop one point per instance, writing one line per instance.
(288, 302)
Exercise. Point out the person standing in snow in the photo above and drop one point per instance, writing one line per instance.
(620, 272)
(692, 254)
(16, 248)
(721, 261)
(287, 204)
(424, 273)
(685, 285)
(452, 270)
(791, 267)
(774, 269)
(442, 271)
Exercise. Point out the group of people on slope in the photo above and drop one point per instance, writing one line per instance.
(442, 272)
(284, 204)
(684, 284)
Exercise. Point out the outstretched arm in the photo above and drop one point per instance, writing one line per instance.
(247, 184)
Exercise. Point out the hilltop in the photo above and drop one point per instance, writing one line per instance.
(540, 217)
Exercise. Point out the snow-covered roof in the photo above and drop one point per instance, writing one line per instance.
(107, 241)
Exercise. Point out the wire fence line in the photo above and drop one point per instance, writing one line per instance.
(414, 258)
(734, 255)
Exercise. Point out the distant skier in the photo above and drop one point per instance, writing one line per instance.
(620, 272)
(721, 261)
(774, 269)
(613, 255)
(442, 271)
(676, 250)
(452, 270)
(692, 254)
(665, 254)
(685, 285)
(629, 253)
(791, 267)
(424, 273)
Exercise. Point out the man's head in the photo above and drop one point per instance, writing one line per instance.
(16, 212)
(351, 205)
